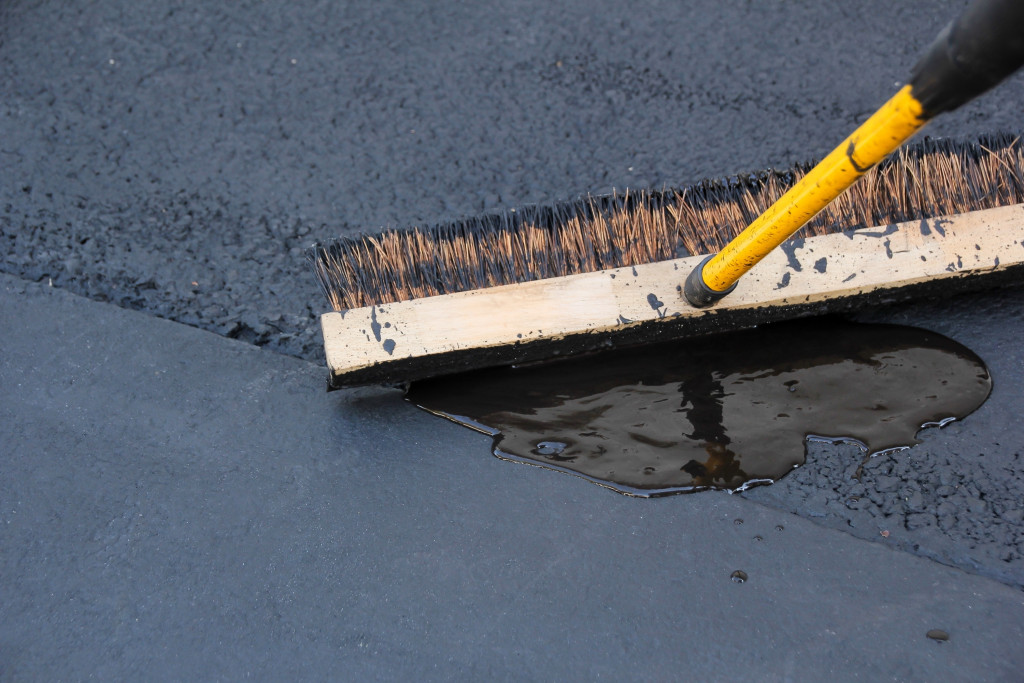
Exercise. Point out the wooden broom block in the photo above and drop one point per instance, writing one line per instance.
(437, 335)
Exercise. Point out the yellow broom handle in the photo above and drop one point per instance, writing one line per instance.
(980, 48)
(879, 136)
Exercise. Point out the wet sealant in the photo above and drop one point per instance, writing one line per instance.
(722, 412)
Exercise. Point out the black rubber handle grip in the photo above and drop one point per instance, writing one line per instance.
(975, 52)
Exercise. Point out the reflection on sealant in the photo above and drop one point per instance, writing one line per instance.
(723, 412)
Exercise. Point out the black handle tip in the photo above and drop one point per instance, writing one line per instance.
(696, 290)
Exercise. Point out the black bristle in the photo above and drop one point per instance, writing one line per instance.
(932, 177)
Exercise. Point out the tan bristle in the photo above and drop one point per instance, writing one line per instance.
(927, 179)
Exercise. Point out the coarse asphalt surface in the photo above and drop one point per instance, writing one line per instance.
(180, 504)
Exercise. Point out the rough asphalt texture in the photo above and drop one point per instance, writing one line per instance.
(175, 158)
(147, 146)
(958, 497)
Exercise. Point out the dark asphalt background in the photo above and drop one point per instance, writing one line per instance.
(147, 146)
(176, 158)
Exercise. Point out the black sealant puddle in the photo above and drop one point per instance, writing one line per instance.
(722, 412)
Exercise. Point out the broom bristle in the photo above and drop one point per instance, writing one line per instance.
(928, 179)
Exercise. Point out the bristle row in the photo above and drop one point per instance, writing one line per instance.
(930, 178)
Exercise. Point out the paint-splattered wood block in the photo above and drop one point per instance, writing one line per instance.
(542, 319)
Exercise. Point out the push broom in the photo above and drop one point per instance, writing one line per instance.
(544, 282)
